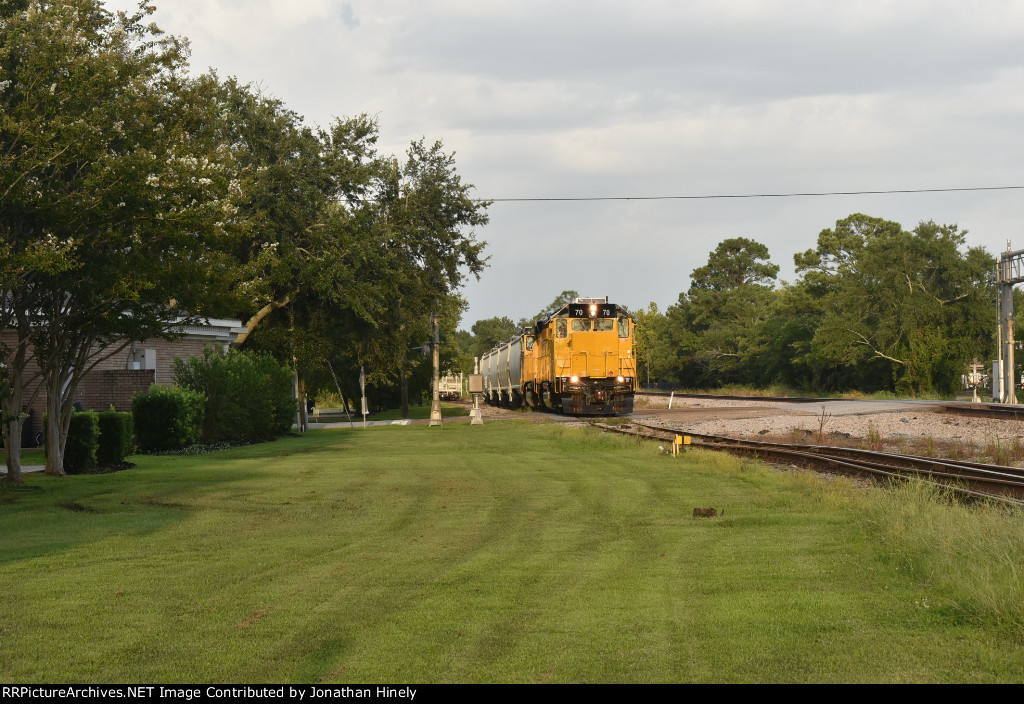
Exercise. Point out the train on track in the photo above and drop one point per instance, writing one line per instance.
(579, 361)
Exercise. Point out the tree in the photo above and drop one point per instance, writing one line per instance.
(734, 264)
(426, 216)
(649, 326)
(912, 307)
(110, 178)
(722, 315)
(384, 249)
(298, 199)
(491, 331)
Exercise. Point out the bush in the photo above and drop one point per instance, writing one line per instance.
(167, 417)
(248, 396)
(116, 437)
(83, 439)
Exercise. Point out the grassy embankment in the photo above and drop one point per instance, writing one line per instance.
(510, 552)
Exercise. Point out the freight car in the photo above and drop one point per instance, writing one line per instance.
(578, 361)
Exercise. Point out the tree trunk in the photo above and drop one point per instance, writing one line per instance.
(303, 408)
(12, 451)
(60, 392)
(13, 406)
(54, 446)
(12, 410)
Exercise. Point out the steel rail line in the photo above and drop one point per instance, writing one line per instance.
(726, 397)
(965, 408)
(950, 475)
(986, 410)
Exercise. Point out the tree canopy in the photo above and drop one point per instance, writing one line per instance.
(875, 307)
(136, 197)
(112, 183)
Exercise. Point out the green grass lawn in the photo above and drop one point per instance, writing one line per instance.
(32, 456)
(509, 552)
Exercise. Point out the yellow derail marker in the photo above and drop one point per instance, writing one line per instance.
(679, 441)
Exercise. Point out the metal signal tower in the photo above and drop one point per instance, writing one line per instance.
(1009, 271)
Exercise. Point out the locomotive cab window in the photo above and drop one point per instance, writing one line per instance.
(623, 327)
(529, 342)
(580, 325)
(560, 327)
(604, 324)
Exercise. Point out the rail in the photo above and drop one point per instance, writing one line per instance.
(973, 479)
(982, 410)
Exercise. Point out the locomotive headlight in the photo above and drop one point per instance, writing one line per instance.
(593, 311)
(621, 379)
(574, 380)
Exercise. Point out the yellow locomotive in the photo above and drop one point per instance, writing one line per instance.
(579, 361)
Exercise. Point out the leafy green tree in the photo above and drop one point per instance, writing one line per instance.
(298, 208)
(733, 265)
(912, 308)
(489, 332)
(716, 327)
(426, 217)
(368, 265)
(648, 333)
(110, 181)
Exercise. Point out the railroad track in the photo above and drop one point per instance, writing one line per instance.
(986, 410)
(964, 408)
(973, 479)
(726, 397)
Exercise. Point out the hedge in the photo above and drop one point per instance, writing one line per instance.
(248, 396)
(167, 418)
(116, 437)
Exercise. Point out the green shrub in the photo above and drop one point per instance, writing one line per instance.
(116, 437)
(167, 417)
(248, 396)
(83, 439)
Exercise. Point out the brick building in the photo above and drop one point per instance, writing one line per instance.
(116, 379)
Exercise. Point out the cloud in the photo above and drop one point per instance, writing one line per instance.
(656, 98)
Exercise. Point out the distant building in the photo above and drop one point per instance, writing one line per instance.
(116, 379)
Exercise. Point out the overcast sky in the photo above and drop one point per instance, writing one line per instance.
(590, 99)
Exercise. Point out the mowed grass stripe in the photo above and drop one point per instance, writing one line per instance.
(510, 552)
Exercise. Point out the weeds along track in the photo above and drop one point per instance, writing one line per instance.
(972, 479)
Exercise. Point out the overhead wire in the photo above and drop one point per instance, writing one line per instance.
(749, 195)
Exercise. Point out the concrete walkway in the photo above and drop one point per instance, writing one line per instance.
(24, 469)
(359, 423)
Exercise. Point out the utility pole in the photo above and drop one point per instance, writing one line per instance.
(435, 404)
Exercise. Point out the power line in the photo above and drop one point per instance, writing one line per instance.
(754, 195)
